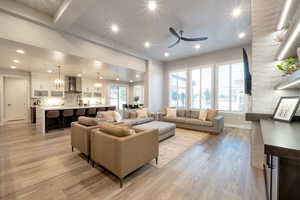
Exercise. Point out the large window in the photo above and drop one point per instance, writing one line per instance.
(201, 88)
(230, 87)
(118, 96)
(178, 90)
(138, 91)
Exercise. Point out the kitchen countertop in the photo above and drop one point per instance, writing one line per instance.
(71, 107)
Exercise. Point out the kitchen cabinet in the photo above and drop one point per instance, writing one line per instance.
(39, 85)
(42, 85)
(87, 85)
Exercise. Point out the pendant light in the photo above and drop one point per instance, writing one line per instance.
(59, 83)
(98, 83)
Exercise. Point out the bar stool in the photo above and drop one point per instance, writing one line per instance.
(91, 112)
(52, 120)
(78, 113)
(67, 116)
(111, 108)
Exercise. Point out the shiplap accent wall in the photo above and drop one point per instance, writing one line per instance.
(265, 75)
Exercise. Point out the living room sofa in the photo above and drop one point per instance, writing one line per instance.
(80, 134)
(131, 118)
(189, 119)
(123, 155)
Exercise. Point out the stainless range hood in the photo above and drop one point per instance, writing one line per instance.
(72, 84)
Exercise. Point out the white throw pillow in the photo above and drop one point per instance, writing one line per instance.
(202, 115)
(108, 116)
(142, 113)
(117, 116)
(171, 112)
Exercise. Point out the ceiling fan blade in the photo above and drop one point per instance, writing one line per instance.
(172, 31)
(194, 39)
(174, 43)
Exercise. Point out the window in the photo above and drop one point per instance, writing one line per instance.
(230, 86)
(201, 88)
(177, 93)
(118, 96)
(138, 91)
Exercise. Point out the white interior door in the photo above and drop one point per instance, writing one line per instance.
(15, 98)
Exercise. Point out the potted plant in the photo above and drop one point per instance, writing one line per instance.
(288, 66)
(136, 99)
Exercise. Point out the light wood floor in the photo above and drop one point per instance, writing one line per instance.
(37, 167)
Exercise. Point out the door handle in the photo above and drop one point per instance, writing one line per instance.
(9, 104)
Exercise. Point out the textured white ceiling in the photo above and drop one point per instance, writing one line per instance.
(211, 18)
(48, 7)
(41, 60)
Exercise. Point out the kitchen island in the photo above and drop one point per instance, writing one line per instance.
(41, 113)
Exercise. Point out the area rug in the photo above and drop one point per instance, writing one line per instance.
(175, 146)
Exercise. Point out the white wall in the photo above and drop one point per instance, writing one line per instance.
(11, 73)
(154, 84)
(221, 56)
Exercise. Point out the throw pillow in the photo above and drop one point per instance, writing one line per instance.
(203, 115)
(142, 113)
(211, 114)
(117, 116)
(87, 121)
(108, 115)
(133, 114)
(171, 112)
(115, 130)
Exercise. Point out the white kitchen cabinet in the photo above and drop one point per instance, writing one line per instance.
(42, 85)
(39, 85)
(88, 85)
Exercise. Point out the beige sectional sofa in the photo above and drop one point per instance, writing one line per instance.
(189, 119)
(131, 118)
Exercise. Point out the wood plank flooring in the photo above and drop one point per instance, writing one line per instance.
(37, 167)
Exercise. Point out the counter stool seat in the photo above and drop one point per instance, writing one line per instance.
(67, 116)
(52, 120)
(92, 112)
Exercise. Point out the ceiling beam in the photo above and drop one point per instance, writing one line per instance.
(69, 12)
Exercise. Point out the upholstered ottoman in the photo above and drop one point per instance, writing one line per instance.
(165, 129)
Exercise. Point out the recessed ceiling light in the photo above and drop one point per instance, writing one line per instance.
(117, 79)
(20, 51)
(98, 63)
(13, 67)
(242, 35)
(79, 75)
(197, 46)
(49, 71)
(152, 5)
(147, 44)
(114, 28)
(131, 81)
(236, 12)
(137, 76)
(167, 54)
(16, 61)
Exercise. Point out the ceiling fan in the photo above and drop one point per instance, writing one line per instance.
(180, 37)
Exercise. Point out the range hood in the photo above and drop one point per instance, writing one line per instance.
(72, 84)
